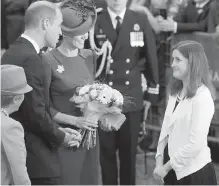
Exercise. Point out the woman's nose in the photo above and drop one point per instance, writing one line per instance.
(173, 64)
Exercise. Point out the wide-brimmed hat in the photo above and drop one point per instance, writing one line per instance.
(13, 80)
(79, 16)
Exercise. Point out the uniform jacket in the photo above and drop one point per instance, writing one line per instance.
(189, 20)
(125, 68)
(186, 130)
(42, 133)
(13, 153)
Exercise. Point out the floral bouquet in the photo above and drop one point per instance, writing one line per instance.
(96, 100)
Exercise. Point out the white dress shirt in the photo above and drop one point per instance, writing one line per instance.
(186, 130)
(34, 43)
(114, 15)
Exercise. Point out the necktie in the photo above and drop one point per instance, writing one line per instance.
(118, 26)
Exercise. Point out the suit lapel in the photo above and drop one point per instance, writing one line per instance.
(125, 27)
(107, 26)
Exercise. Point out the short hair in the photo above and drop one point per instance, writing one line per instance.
(7, 100)
(198, 69)
(37, 11)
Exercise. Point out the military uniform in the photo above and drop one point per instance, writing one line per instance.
(134, 41)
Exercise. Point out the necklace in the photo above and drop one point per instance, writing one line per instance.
(4, 112)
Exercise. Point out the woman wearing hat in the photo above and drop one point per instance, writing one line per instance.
(13, 151)
(73, 66)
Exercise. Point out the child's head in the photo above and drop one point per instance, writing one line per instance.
(13, 87)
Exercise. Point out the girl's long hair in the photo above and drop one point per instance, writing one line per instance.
(198, 69)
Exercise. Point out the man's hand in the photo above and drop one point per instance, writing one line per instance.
(72, 137)
(75, 134)
(167, 25)
(159, 18)
(147, 106)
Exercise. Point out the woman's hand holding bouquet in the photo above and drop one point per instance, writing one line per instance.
(98, 101)
(86, 123)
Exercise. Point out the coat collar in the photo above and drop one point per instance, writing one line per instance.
(113, 15)
(107, 26)
(34, 43)
(26, 42)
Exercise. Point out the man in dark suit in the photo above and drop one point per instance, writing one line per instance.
(131, 37)
(42, 28)
(193, 18)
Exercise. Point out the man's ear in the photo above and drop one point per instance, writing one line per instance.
(45, 24)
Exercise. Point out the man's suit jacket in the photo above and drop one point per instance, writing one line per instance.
(189, 20)
(13, 153)
(125, 69)
(42, 133)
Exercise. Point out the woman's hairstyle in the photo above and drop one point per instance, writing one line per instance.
(198, 69)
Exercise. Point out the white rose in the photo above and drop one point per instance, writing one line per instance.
(86, 98)
(95, 86)
(85, 89)
(105, 96)
(93, 93)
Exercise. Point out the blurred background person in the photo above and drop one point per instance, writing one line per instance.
(72, 66)
(13, 151)
(183, 156)
(194, 17)
(13, 15)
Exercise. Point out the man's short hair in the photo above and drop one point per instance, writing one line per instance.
(37, 11)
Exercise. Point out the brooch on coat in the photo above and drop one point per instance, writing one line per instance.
(60, 69)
